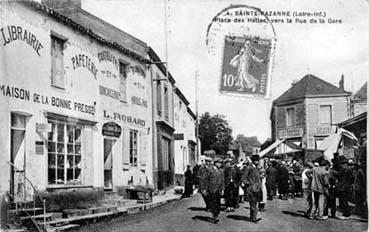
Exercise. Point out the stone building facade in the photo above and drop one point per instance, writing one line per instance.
(308, 112)
(76, 103)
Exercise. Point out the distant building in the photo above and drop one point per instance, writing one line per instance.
(359, 101)
(309, 111)
(163, 117)
(185, 135)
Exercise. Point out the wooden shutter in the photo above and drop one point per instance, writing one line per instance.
(143, 148)
(125, 147)
(313, 114)
(281, 118)
(300, 116)
(340, 112)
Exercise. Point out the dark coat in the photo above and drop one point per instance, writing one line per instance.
(345, 180)
(203, 174)
(271, 175)
(232, 175)
(215, 180)
(188, 183)
(252, 180)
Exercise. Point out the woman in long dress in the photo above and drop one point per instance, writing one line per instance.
(242, 62)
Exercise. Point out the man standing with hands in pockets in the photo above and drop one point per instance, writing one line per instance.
(251, 181)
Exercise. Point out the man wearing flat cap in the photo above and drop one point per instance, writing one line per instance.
(215, 187)
(251, 181)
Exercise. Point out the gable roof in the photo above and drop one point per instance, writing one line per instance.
(360, 95)
(310, 86)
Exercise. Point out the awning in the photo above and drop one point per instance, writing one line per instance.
(271, 147)
(330, 144)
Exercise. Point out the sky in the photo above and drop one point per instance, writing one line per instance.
(325, 50)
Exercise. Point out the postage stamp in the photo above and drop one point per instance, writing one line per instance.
(245, 66)
(242, 41)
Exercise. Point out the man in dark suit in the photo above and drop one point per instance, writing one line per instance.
(232, 181)
(215, 187)
(251, 181)
(282, 179)
(271, 180)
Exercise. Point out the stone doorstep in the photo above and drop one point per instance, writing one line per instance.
(66, 221)
(95, 210)
(21, 211)
(61, 228)
(99, 212)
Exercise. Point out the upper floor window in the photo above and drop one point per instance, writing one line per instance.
(325, 114)
(166, 103)
(290, 117)
(57, 62)
(123, 81)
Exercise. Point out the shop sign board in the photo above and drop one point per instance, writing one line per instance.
(323, 130)
(111, 129)
(43, 127)
(291, 132)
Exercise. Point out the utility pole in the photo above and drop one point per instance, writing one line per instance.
(197, 116)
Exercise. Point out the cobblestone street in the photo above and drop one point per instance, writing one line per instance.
(189, 215)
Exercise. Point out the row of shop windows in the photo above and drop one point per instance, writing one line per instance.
(65, 153)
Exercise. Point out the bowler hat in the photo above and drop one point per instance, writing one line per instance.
(255, 157)
(324, 163)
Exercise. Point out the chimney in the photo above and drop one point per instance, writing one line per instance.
(342, 82)
(62, 4)
(294, 82)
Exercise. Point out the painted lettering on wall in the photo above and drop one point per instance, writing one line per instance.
(108, 74)
(137, 69)
(125, 118)
(139, 85)
(82, 60)
(17, 33)
(108, 57)
(109, 92)
(139, 101)
(15, 92)
(25, 94)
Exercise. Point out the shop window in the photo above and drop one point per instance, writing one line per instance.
(64, 154)
(57, 62)
(133, 139)
(158, 94)
(290, 117)
(325, 114)
(123, 81)
(166, 103)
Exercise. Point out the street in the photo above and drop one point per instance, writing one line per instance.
(189, 215)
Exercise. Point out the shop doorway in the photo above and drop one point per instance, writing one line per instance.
(108, 163)
(17, 156)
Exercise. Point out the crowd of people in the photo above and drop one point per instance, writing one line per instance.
(320, 183)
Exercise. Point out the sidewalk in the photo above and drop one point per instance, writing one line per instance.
(111, 206)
